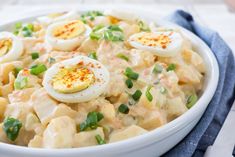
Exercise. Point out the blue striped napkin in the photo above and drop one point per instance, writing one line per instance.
(205, 132)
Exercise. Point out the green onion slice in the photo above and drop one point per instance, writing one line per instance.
(99, 140)
(111, 33)
(143, 26)
(192, 99)
(148, 94)
(35, 55)
(11, 127)
(17, 28)
(95, 36)
(123, 109)
(115, 28)
(38, 69)
(93, 55)
(122, 56)
(129, 83)
(157, 68)
(97, 28)
(171, 67)
(136, 96)
(131, 74)
(18, 25)
(91, 121)
(91, 15)
(20, 82)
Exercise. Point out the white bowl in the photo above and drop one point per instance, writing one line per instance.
(151, 144)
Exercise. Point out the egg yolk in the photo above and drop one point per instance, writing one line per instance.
(5, 46)
(153, 40)
(72, 79)
(113, 20)
(69, 30)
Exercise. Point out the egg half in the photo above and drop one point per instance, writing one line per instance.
(75, 80)
(128, 16)
(11, 47)
(68, 35)
(56, 17)
(165, 44)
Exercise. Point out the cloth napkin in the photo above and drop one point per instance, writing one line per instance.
(205, 132)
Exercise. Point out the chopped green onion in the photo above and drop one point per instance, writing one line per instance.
(115, 28)
(93, 55)
(18, 25)
(99, 140)
(95, 36)
(157, 68)
(129, 83)
(163, 90)
(30, 27)
(33, 66)
(171, 67)
(91, 15)
(17, 70)
(91, 121)
(16, 32)
(143, 26)
(123, 109)
(35, 55)
(27, 32)
(20, 82)
(148, 94)
(110, 33)
(136, 96)
(122, 56)
(98, 27)
(113, 36)
(192, 99)
(51, 60)
(17, 28)
(11, 127)
(38, 69)
(92, 18)
(131, 74)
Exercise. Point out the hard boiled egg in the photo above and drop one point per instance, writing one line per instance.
(121, 15)
(165, 44)
(11, 47)
(56, 17)
(79, 79)
(68, 35)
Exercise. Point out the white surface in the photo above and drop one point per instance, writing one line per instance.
(32, 2)
(151, 144)
(225, 141)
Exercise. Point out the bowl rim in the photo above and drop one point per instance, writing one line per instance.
(142, 140)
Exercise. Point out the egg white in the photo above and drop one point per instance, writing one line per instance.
(92, 92)
(16, 50)
(65, 44)
(128, 16)
(46, 20)
(171, 50)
